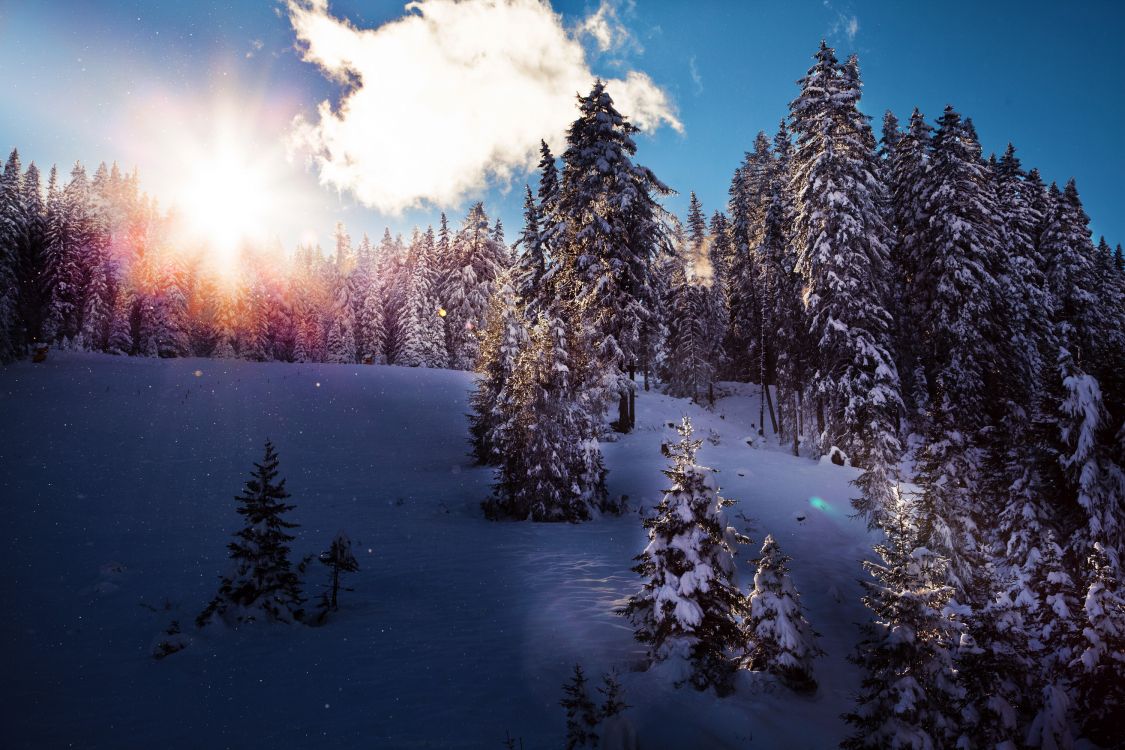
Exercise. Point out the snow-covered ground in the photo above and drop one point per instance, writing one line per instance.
(117, 479)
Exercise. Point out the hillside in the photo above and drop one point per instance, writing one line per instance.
(117, 485)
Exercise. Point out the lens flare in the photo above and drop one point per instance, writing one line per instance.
(821, 504)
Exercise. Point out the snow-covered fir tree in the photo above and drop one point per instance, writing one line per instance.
(480, 259)
(550, 466)
(493, 409)
(909, 697)
(781, 639)
(841, 254)
(263, 585)
(611, 231)
(12, 227)
(689, 607)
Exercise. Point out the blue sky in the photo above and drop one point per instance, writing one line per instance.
(110, 80)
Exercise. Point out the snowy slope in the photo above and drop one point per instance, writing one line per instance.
(117, 479)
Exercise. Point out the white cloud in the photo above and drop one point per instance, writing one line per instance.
(450, 98)
(607, 30)
(696, 79)
(851, 28)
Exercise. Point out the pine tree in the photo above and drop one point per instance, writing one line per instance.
(1057, 642)
(12, 227)
(479, 261)
(908, 696)
(841, 242)
(749, 195)
(689, 606)
(339, 559)
(1100, 692)
(340, 344)
(492, 406)
(613, 232)
(581, 715)
(612, 701)
(35, 271)
(690, 350)
(550, 464)
(531, 265)
(424, 329)
(263, 585)
(908, 164)
(782, 641)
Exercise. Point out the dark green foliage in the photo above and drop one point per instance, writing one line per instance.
(263, 586)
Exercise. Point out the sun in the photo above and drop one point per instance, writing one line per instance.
(230, 182)
(224, 201)
(224, 198)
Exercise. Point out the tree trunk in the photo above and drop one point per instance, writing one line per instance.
(819, 415)
(797, 423)
(623, 413)
(646, 375)
(762, 411)
(769, 403)
(632, 409)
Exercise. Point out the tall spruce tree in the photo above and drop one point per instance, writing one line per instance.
(841, 243)
(612, 230)
(12, 228)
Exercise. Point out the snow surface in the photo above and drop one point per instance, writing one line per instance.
(117, 484)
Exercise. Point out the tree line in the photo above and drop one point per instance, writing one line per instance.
(96, 265)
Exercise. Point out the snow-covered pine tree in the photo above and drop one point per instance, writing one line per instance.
(1055, 642)
(749, 196)
(1100, 692)
(97, 319)
(793, 347)
(1071, 278)
(340, 343)
(781, 639)
(547, 214)
(993, 667)
(338, 558)
(689, 358)
(581, 714)
(359, 281)
(424, 328)
(121, 329)
(550, 464)
(480, 260)
(841, 244)
(1095, 482)
(531, 264)
(908, 163)
(12, 227)
(35, 274)
(909, 697)
(263, 584)
(492, 407)
(689, 607)
(612, 232)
